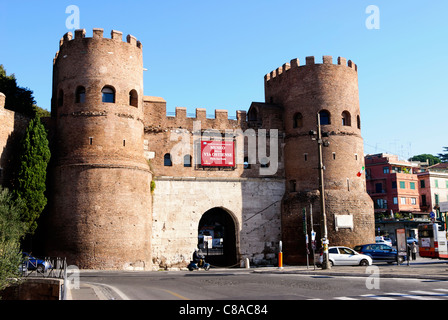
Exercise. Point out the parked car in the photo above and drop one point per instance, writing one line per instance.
(410, 240)
(380, 252)
(32, 263)
(383, 240)
(344, 256)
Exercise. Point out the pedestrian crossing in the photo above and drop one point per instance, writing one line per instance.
(434, 294)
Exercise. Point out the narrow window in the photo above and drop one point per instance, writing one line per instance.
(334, 155)
(108, 95)
(60, 98)
(80, 95)
(305, 155)
(124, 143)
(346, 119)
(424, 200)
(422, 183)
(90, 140)
(324, 117)
(356, 156)
(133, 98)
(297, 121)
(167, 160)
(187, 161)
(348, 184)
(358, 120)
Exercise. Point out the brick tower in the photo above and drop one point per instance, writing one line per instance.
(331, 90)
(101, 208)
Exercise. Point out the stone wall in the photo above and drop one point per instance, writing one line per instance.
(179, 203)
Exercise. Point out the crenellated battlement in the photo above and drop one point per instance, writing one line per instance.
(156, 115)
(201, 114)
(98, 35)
(309, 61)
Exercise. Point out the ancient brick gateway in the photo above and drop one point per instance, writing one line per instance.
(127, 187)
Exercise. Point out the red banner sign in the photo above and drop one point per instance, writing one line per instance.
(217, 154)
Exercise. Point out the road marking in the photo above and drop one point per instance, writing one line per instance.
(378, 297)
(411, 296)
(104, 293)
(345, 298)
(175, 294)
(431, 294)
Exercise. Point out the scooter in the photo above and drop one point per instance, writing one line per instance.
(194, 266)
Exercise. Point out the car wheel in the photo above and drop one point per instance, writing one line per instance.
(364, 263)
(40, 268)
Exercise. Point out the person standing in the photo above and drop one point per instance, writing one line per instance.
(414, 250)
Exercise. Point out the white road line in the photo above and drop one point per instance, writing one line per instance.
(345, 298)
(431, 294)
(410, 296)
(378, 297)
(116, 290)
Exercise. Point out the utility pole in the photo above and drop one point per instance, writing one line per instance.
(325, 261)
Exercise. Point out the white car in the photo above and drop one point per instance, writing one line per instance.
(344, 256)
(383, 240)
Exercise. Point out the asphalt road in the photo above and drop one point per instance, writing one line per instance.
(243, 284)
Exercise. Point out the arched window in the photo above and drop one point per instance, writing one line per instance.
(358, 120)
(297, 121)
(133, 98)
(324, 117)
(346, 119)
(167, 160)
(60, 98)
(80, 95)
(187, 161)
(108, 94)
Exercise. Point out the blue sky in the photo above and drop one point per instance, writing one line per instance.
(214, 54)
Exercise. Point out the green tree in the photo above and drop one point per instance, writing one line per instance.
(444, 156)
(423, 157)
(12, 230)
(17, 98)
(30, 183)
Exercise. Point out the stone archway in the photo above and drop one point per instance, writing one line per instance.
(220, 225)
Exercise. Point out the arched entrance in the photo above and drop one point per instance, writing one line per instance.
(218, 224)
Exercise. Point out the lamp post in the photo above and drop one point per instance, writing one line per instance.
(325, 262)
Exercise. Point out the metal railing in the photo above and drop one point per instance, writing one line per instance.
(57, 268)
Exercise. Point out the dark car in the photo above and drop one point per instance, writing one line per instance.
(32, 263)
(380, 252)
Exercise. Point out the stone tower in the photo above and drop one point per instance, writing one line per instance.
(101, 208)
(331, 90)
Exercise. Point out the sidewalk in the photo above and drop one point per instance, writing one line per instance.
(422, 268)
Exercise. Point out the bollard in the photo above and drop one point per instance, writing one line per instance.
(280, 260)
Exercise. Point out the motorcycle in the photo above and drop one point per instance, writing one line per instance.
(195, 266)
